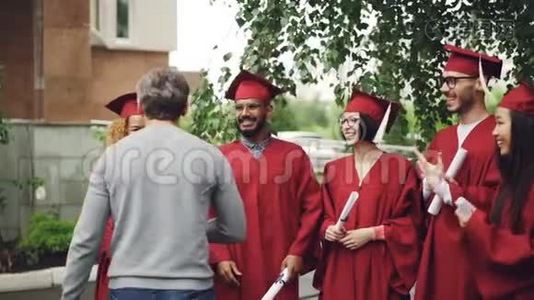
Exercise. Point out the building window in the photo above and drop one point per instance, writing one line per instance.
(95, 14)
(123, 20)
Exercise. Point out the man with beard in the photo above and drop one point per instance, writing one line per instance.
(444, 271)
(281, 198)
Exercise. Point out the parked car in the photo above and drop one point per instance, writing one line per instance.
(319, 149)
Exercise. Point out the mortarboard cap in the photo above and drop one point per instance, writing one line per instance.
(251, 86)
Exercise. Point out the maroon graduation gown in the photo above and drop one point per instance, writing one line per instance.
(283, 209)
(104, 260)
(503, 260)
(389, 196)
(444, 271)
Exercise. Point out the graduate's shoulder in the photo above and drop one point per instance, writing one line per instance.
(283, 146)
(338, 162)
(487, 124)
(397, 160)
(286, 144)
(446, 132)
(225, 148)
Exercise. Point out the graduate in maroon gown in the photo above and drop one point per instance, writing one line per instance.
(131, 119)
(375, 254)
(445, 272)
(281, 198)
(501, 242)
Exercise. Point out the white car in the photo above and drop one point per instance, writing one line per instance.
(319, 149)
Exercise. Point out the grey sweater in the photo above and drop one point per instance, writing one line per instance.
(157, 184)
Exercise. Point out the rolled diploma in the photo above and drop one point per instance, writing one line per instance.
(353, 197)
(282, 279)
(454, 167)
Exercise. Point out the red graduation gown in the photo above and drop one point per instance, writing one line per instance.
(389, 196)
(504, 261)
(283, 208)
(104, 260)
(444, 271)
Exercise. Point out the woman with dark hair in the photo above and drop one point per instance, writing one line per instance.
(502, 244)
(131, 119)
(374, 254)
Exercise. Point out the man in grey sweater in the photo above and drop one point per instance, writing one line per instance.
(157, 184)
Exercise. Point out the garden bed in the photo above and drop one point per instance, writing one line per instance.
(13, 261)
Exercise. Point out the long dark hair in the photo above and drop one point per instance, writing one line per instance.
(517, 171)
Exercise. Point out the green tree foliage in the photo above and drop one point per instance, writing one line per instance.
(316, 116)
(391, 48)
(212, 119)
(284, 118)
(46, 235)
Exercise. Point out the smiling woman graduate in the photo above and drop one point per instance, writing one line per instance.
(501, 243)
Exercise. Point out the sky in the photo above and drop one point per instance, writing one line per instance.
(201, 27)
(206, 32)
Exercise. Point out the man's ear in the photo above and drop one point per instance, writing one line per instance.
(482, 86)
(270, 111)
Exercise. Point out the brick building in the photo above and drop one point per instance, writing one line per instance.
(62, 60)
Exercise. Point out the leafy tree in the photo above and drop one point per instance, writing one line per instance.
(212, 119)
(46, 234)
(284, 118)
(392, 48)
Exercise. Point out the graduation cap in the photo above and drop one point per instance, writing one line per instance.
(472, 63)
(251, 86)
(382, 111)
(125, 105)
(520, 98)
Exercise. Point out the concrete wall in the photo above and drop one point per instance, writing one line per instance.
(60, 154)
(15, 165)
(64, 156)
(40, 284)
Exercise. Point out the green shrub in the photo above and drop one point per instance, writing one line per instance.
(46, 235)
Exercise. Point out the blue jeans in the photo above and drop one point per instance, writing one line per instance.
(149, 294)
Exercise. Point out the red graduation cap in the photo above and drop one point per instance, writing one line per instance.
(466, 61)
(125, 105)
(374, 107)
(251, 86)
(520, 98)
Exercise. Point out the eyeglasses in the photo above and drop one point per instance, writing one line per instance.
(249, 106)
(450, 81)
(351, 121)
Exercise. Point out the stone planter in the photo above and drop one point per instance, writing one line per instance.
(38, 285)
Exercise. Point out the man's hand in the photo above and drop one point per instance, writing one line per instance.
(357, 238)
(333, 234)
(229, 272)
(433, 173)
(294, 265)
